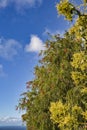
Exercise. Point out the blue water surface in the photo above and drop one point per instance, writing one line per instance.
(12, 128)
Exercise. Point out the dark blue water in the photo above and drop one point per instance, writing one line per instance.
(12, 128)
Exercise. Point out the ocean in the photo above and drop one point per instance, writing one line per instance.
(12, 128)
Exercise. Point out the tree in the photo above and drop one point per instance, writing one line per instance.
(74, 110)
(52, 80)
(56, 98)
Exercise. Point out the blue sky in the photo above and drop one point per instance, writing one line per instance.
(23, 27)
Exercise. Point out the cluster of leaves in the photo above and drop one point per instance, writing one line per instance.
(64, 117)
(80, 27)
(65, 7)
(56, 98)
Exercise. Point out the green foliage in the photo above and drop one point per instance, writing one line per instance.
(62, 116)
(52, 81)
(74, 109)
(78, 29)
(64, 7)
(56, 99)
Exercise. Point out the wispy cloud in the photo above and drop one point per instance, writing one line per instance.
(10, 121)
(2, 73)
(3, 3)
(9, 48)
(35, 45)
(19, 3)
(53, 32)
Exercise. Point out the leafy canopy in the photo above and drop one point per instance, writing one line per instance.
(74, 114)
(56, 99)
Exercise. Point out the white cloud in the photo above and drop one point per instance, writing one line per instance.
(9, 48)
(35, 45)
(1, 71)
(19, 3)
(10, 121)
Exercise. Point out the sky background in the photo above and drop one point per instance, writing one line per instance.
(23, 27)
